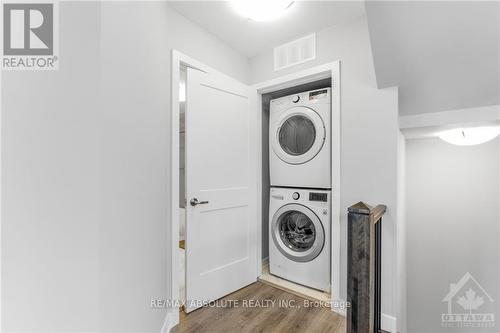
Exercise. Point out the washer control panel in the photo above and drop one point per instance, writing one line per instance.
(310, 198)
(303, 98)
(318, 94)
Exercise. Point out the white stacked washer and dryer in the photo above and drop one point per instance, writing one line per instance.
(300, 195)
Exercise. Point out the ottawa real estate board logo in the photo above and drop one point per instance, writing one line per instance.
(30, 36)
(469, 305)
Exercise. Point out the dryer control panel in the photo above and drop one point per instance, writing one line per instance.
(313, 196)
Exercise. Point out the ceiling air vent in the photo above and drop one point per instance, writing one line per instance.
(295, 52)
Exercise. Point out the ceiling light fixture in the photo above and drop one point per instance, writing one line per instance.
(261, 10)
(470, 136)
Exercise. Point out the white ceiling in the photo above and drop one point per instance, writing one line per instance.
(251, 38)
(443, 55)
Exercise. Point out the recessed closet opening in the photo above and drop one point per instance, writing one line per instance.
(298, 231)
(222, 199)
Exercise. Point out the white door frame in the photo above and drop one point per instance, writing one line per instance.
(178, 59)
(329, 70)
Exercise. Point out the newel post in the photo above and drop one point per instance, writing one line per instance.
(364, 235)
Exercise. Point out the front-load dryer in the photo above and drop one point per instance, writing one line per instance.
(299, 140)
(299, 236)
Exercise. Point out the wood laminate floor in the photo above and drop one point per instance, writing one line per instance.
(261, 308)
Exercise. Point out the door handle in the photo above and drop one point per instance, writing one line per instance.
(194, 202)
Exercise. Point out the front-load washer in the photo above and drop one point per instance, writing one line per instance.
(299, 236)
(299, 140)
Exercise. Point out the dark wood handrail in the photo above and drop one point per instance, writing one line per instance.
(377, 213)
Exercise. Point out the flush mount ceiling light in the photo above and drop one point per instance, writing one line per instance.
(470, 136)
(260, 10)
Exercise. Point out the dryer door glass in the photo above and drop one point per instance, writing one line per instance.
(297, 135)
(297, 231)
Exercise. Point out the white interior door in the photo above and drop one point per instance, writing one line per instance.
(221, 243)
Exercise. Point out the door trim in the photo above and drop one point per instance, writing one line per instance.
(328, 70)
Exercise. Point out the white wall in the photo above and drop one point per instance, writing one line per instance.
(51, 185)
(369, 136)
(85, 243)
(453, 217)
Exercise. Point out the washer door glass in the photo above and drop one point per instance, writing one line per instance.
(297, 231)
(297, 135)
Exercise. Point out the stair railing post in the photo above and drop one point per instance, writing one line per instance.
(363, 267)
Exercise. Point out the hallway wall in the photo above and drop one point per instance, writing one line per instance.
(51, 221)
(85, 170)
(453, 214)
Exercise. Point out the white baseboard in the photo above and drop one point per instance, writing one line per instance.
(171, 320)
(340, 311)
(388, 323)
